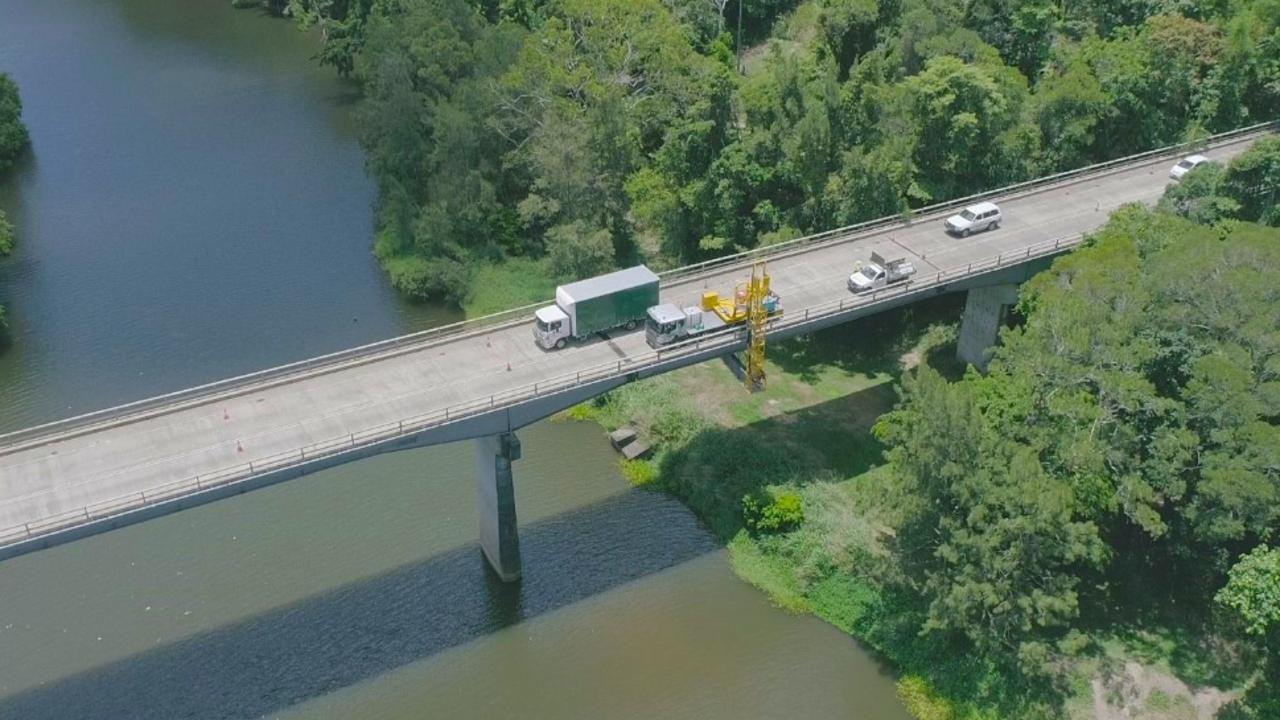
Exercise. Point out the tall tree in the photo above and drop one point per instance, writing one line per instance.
(13, 134)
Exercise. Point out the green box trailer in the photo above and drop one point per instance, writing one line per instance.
(586, 307)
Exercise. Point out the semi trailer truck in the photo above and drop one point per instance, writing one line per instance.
(586, 307)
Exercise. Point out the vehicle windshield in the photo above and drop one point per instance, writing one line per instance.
(967, 214)
(1186, 164)
(542, 327)
(867, 272)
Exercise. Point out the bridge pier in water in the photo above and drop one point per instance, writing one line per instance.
(499, 537)
(984, 312)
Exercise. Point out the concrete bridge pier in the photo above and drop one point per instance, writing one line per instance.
(496, 492)
(984, 312)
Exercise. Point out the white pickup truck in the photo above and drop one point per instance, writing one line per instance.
(880, 272)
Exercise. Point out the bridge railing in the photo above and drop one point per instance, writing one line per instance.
(406, 343)
(651, 361)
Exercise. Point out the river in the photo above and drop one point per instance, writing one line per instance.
(195, 207)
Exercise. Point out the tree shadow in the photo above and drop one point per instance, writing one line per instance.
(868, 345)
(714, 470)
(322, 644)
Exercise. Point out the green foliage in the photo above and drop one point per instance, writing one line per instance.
(640, 473)
(13, 134)
(6, 234)
(500, 129)
(1252, 592)
(514, 283)
(428, 279)
(924, 702)
(1253, 180)
(772, 511)
(995, 543)
(1246, 189)
(1127, 436)
(576, 251)
(1199, 196)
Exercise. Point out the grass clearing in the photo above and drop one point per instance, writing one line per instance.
(792, 34)
(514, 283)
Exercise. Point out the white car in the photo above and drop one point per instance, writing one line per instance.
(975, 218)
(1186, 165)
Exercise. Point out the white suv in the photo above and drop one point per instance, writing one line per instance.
(975, 218)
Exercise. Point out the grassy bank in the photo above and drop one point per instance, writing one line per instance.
(807, 436)
(792, 480)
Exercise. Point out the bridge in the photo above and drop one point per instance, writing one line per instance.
(484, 379)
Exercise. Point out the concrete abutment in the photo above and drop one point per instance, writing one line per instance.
(495, 490)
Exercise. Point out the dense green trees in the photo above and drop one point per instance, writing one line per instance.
(495, 127)
(13, 134)
(1126, 438)
(13, 141)
(990, 537)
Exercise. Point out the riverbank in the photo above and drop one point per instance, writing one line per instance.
(14, 141)
(741, 461)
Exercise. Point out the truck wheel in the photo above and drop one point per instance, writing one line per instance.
(561, 343)
(631, 325)
(964, 232)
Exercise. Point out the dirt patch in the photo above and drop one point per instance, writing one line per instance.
(1144, 693)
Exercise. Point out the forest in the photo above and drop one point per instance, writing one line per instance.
(1121, 460)
(13, 142)
(523, 139)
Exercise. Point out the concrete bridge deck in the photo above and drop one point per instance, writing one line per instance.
(85, 475)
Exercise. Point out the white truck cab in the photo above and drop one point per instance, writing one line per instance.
(668, 323)
(551, 330)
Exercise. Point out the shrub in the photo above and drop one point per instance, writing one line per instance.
(772, 512)
(639, 472)
(13, 134)
(439, 279)
(921, 701)
(6, 234)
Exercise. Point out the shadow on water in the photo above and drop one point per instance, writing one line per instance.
(365, 629)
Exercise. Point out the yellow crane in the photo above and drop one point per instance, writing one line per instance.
(757, 324)
(753, 303)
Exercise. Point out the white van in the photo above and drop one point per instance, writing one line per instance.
(975, 218)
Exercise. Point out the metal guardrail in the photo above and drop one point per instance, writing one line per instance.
(407, 343)
(651, 361)
(1017, 189)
